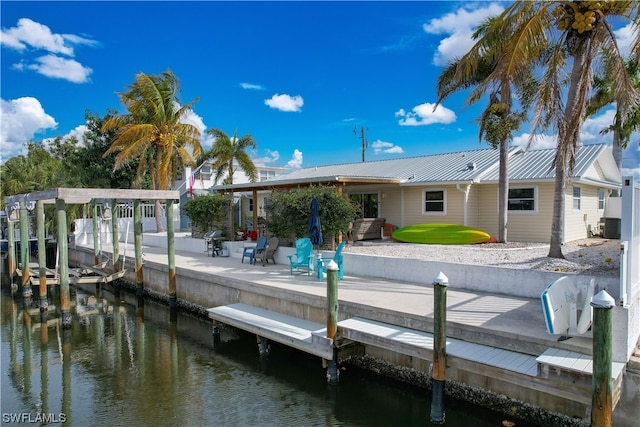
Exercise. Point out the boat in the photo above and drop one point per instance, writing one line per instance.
(443, 234)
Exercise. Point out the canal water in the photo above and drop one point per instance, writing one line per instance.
(120, 365)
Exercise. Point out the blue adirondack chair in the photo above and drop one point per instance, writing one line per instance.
(251, 252)
(337, 258)
(302, 260)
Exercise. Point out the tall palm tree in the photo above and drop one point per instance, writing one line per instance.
(603, 96)
(498, 121)
(225, 153)
(571, 34)
(152, 131)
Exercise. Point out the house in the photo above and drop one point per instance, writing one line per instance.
(462, 188)
(199, 181)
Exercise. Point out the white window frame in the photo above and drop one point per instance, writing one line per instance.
(535, 200)
(574, 198)
(424, 201)
(601, 200)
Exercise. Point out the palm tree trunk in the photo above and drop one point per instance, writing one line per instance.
(503, 190)
(557, 220)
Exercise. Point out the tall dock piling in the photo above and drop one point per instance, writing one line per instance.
(42, 257)
(332, 319)
(63, 256)
(27, 292)
(602, 397)
(137, 240)
(171, 254)
(438, 373)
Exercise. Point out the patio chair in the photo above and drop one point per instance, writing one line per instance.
(268, 253)
(303, 257)
(213, 242)
(337, 258)
(251, 251)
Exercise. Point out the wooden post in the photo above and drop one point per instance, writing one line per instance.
(42, 256)
(115, 240)
(137, 239)
(438, 374)
(63, 256)
(11, 257)
(27, 292)
(171, 253)
(96, 233)
(333, 373)
(602, 396)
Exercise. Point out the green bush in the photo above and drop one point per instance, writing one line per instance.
(207, 212)
(288, 212)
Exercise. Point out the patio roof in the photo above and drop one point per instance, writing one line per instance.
(85, 195)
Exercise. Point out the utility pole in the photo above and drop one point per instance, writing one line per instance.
(365, 143)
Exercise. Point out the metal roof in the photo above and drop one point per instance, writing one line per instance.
(457, 167)
(477, 166)
(537, 165)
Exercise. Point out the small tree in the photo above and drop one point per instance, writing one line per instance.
(207, 212)
(288, 212)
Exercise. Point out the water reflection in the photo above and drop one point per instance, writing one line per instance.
(125, 364)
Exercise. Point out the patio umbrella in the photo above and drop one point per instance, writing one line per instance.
(315, 229)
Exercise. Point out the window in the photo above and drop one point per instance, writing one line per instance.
(576, 198)
(267, 174)
(434, 201)
(251, 205)
(522, 199)
(600, 199)
(368, 204)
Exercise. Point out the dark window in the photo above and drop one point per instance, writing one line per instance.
(522, 199)
(434, 201)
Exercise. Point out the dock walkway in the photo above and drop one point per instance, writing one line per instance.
(492, 335)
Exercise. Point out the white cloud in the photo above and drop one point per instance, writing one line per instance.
(35, 35)
(61, 68)
(251, 86)
(22, 118)
(624, 39)
(30, 36)
(271, 157)
(540, 142)
(459, 26)
(285, 102)
(296, 160)
(424, 114)
(386, 148)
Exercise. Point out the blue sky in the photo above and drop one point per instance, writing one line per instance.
(298, 76)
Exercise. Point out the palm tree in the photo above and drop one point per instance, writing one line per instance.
(604, 97)
(225, 153)
(153, 133)
(497, 121)
(561, 30)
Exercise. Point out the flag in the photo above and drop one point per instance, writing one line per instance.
(192, 179)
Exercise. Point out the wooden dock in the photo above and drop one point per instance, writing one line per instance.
(560, 372)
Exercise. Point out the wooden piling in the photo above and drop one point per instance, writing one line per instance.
(332, 318)
(602, 391)
(11, 256)
(42, 256)
(171, 254)
(115, 240)
(27, 292)
(96, 233)
(63, 256)
(438, 374)
(137, 239)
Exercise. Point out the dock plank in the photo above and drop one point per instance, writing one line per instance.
(294, 332)
(420, 343)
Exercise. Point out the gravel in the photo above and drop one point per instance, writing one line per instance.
(595, 256)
